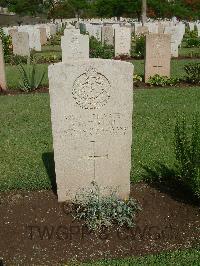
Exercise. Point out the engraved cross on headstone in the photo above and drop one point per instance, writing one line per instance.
(94, 157)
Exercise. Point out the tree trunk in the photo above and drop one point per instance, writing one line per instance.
(144, 12)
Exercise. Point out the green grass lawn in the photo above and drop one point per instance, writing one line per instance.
(26, 133)
(178, 258)
(189, 52)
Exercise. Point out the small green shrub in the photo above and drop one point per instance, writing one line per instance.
(187, 150)
(31, 79)
(16, 59)
(140, 47)
(191, 34)
(184, 175)
(192, 73)
(162, 81)
(97, 50)
(98, 212)
(47, 59)
(192, 42)
(6, 42)
(137, 78)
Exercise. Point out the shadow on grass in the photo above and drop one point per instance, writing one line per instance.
(48, 160)
(167, 180)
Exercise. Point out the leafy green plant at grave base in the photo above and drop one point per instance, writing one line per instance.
(192, 73)
(46, 59)
(185, 174)
(6, 42)
(140, 47)
(97, 50)
(162, 81)
(16, 59)
(31, 79)
(192, 42)
(100, 212)
(187, 149)
(56, 39)
(191, 34)
(137, 78)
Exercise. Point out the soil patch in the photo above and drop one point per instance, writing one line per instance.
(37, 230)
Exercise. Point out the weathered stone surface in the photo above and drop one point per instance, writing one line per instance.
(91, 112)
(142, 30)
(108, 35)
(34, 37)
(94, 30)
(20, 41)
(74, 46)
(2, 69)
(158, 55)
(43, 36)
(122, 41)
(12, 31)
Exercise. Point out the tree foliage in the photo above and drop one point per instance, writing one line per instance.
(183, 9)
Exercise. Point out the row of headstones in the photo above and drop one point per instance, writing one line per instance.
(30, 37)
(76, 46)
(192, 26)
(120, 35)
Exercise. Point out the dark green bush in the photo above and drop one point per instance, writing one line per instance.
(187, 150)
(185, 173)
(97, 50)
(16, 59)
(140, 47)
(193, 73)
(193, 42)
(7, 43)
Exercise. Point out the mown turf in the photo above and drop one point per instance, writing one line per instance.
(189, 52)
(155, 114)
(178, 258)
(25, 133)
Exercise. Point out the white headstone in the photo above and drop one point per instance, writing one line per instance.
(91, 112)
(74, 45)
(20, 41)
(122, 41)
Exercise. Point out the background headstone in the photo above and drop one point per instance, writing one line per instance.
(122, 41)
(108, 35)
(74, 45)
(158, 55)
(43, 36)
(20, 41)
(3, 85)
